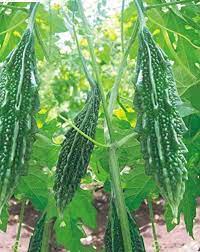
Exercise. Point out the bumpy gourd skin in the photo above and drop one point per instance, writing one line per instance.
(113, 236)
(35, 243)
(159, 125)
(76, 151)
(18, 104)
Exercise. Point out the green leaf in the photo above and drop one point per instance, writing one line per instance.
(68, 234)
(179, 43)
(186, 109)
(9, 40)
(82, 208)
(189, 204)
(192, 94)
(137, 187)
(45, 152)
(34, 187)
(79, 211)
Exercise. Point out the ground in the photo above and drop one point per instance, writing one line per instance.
(176, 241)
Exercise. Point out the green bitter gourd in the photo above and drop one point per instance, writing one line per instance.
(113, 235)
(159, 125)
(35, 243)
(75, 152)
(18, 104)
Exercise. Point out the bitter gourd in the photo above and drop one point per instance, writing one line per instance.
(76, 150)
(113, 235)
(35, 243)
(159, 125)
(18, 104)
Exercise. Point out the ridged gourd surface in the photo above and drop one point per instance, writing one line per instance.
(18, 104)
(35, 243)
(113, 236)
(159, 125)
(75, 152)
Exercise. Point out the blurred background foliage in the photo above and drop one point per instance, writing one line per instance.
(63, 89)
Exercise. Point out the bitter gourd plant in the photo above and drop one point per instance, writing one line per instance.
(113, 235)
(76, 150)
(159, 125)
(18, 104)
(35, 243)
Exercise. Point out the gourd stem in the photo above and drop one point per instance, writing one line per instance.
(152, 6)
(21, 217)
(82, 133)
(121, 105)
(40, 42)
(87, 74)
(122, 25)
(120, 72)
(31, 22)
(113, 163)
(71, 27)
(140, 10)
(151, 214)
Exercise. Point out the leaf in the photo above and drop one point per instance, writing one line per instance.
(137, 187)
(189, 204)
(192, 94)
(179, 43)
(34, 187)
(186, 109)
(45, 152)
(12, 37)
(82, 208)
(68, 229)
(68, 235)
(104, 54)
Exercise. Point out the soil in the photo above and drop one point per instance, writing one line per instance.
(176, 241)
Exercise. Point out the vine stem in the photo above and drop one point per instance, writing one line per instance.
(82, 133)
(113, 162)
(95, 67)
(151, 214)
(21, 217)
(120, 72)
(122, 25)
(71, 27)
(51, 29)
(87, 74)
(152, 6)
